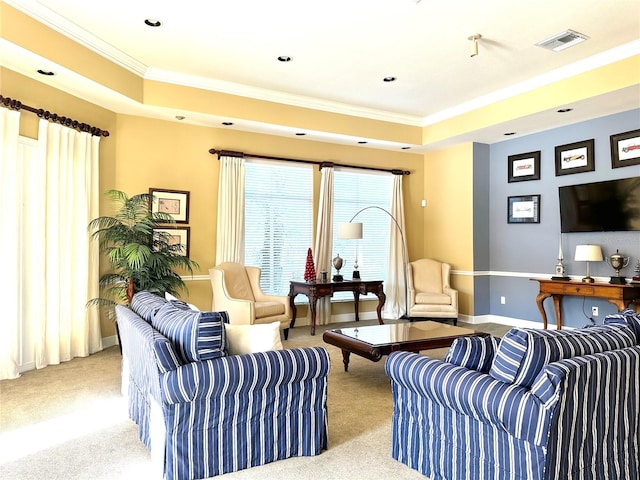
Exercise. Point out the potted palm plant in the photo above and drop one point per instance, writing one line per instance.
(140, 258)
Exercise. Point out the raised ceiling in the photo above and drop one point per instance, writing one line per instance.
(341, 50)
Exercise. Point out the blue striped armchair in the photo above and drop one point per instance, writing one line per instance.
(202, 412)
(541, 405)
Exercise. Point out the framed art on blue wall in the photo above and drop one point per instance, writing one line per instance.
(523, 209)
(575, 158)
(524, 166)
(625, 149)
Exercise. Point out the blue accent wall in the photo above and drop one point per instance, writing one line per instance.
(481, 228)
(518, 251)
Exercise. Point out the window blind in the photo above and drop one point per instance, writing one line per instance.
(278, 221)
(353, 191)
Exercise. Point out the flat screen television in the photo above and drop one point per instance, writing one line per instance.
(610, 206)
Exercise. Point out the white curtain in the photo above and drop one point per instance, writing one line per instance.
(324, 240)
(230, 225)
(9, 243)
(52, 197)
(396, 291)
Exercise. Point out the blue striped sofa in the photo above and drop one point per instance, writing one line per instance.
(202, 412)
(539, 404)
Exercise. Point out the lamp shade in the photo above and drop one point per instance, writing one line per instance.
(588, 253)
(350, 231)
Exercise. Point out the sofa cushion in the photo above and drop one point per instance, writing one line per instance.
(625, 317)
(269, 309)
(474, 353)
(195, 335)
(433, 298)
(168, 297)
(166, 356)
(523, 352)
(243, 339)
(146, 304)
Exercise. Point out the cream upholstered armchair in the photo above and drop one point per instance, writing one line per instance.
(236, 290)
(430, 295)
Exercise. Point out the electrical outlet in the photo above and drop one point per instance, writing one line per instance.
(594, 311)
(503, 300)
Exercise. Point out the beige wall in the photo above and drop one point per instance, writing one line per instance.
(141, 153)
(448, 216)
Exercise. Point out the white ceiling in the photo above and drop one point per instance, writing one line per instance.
(342, 49)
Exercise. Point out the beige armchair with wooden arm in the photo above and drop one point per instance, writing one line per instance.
(236, 290)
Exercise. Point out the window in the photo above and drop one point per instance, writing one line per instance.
(353, 191)
(278, 221)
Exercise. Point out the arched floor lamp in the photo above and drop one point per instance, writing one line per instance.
(353, 231)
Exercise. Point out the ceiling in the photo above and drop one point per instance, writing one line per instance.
(341, 50)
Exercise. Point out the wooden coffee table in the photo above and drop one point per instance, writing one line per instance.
(375, 341)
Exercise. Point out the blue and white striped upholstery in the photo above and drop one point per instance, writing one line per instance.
(223, 414)
(579, 421)
(475, 353)
(625, 317)
(195, 335)
(146, 304)
(524, 351)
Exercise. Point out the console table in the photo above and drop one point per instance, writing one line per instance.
(316, 290)
(619, 295)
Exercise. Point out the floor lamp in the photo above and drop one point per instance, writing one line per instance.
(353, 231)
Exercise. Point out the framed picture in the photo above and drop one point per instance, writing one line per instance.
(524, 166)
(575, 158)
(175, 236)
(625, 149)
(523, 209)
(172, 202)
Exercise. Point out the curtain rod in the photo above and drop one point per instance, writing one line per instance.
(13, 104)
(395, 171)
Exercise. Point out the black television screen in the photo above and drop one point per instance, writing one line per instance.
(611, 206)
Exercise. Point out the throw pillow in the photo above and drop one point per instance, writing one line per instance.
(625, 317)
(195, 335)
(474, 353)
(523, 352)
(146, 304)
(171, 298)
(166, 357)
(253, 338)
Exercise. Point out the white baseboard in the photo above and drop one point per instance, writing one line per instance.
(509, 321)
(109, 341)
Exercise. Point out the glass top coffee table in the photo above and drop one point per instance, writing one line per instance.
(375, 341)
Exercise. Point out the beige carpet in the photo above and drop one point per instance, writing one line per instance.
(70, 422)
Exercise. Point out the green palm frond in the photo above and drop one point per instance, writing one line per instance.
(134, 252)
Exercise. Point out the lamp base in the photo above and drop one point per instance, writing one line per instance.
(618, 280)
(588, 280)
(356, 275)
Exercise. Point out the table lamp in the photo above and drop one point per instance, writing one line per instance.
(588, 253)
(351, 231)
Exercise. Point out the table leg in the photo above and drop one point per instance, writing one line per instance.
(313, 300)
(556, 304)
(345, 359)
(381, 299)
(539, 299)
(356, 303)
(620, 305)
(294, 310)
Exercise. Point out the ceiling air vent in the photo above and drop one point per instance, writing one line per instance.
(563, 40)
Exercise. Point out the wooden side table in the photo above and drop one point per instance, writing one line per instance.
(619, 295)
(316, 290)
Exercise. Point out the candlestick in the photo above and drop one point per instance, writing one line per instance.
(560, 257)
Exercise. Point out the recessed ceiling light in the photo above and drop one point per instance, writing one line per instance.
(565, 110)
(301, 134)
(226, 124)
(284, 58)
(152, 22)
(508, 134)
(389, 79)
(362, 142)
(48, 73)
(180, 117)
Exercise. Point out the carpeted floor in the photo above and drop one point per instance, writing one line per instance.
(70, 422)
